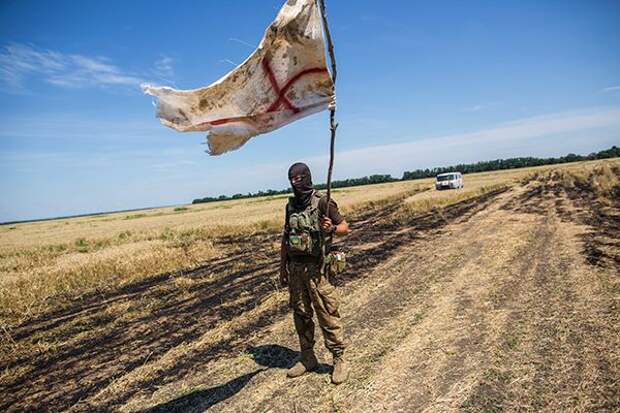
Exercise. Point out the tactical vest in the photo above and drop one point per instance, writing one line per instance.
(304, 230)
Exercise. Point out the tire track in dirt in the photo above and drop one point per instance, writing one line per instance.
(438, 358)
(555, 353)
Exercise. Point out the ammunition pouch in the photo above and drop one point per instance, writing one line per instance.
(304, 236)
(301, 244)
(335, 262)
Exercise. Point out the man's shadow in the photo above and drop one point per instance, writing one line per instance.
(269, 356)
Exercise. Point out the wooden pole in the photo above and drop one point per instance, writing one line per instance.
(332, 113)
(332, 121)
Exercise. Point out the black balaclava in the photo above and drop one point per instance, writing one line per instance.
(303, 189)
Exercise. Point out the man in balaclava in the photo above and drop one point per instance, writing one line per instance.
(308, 232)
(301, 181)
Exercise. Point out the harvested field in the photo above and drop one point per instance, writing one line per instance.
(502, 296)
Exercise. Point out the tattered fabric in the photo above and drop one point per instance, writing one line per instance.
(285, 79)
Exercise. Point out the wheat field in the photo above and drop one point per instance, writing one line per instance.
(47, 263)
(501, 296)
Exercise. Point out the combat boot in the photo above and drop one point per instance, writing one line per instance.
(307, 362)
(340, 374)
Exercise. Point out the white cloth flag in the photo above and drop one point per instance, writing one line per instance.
(285, 79)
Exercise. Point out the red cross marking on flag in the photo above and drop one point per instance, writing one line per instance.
(276, 88)
(279, 91)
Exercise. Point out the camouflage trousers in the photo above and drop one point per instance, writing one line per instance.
(312, 292)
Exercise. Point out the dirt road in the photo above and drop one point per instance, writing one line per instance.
(507, 301)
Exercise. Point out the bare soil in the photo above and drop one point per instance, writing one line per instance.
(507, 301)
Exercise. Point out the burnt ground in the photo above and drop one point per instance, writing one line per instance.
(503, 302)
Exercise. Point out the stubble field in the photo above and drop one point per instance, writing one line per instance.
(502, 296)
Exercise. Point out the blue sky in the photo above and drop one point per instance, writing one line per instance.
(421, 84)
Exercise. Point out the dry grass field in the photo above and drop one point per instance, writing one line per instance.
(502, 296)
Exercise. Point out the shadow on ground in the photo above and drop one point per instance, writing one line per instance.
(268, 356)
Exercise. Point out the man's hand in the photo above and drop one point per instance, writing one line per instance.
(326, 225)
(332, 103)
(283, 276)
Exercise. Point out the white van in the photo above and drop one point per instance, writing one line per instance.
(449, 180)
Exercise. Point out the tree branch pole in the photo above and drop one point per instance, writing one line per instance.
(332, 121)
(332, 113)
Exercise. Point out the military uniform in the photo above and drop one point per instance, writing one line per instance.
(304, 245)
(310, 291)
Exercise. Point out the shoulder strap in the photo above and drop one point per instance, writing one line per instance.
(314, 203)
(288, 210)
(289, 205)
(316, 199)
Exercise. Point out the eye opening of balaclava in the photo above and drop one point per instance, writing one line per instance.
(303, 188)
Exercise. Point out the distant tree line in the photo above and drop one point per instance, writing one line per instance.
(268, 192)
(367, 180)
(512, 163)
(485, 166)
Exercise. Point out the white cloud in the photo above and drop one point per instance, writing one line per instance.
(551, 135)
(475, 108)
(21, 62)
(164, 68)
(230, 62)
(232, 39)
(174, 165)
(69, 126)
(530, 134)
(479, 107)
(611, 89)
(181, 173)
